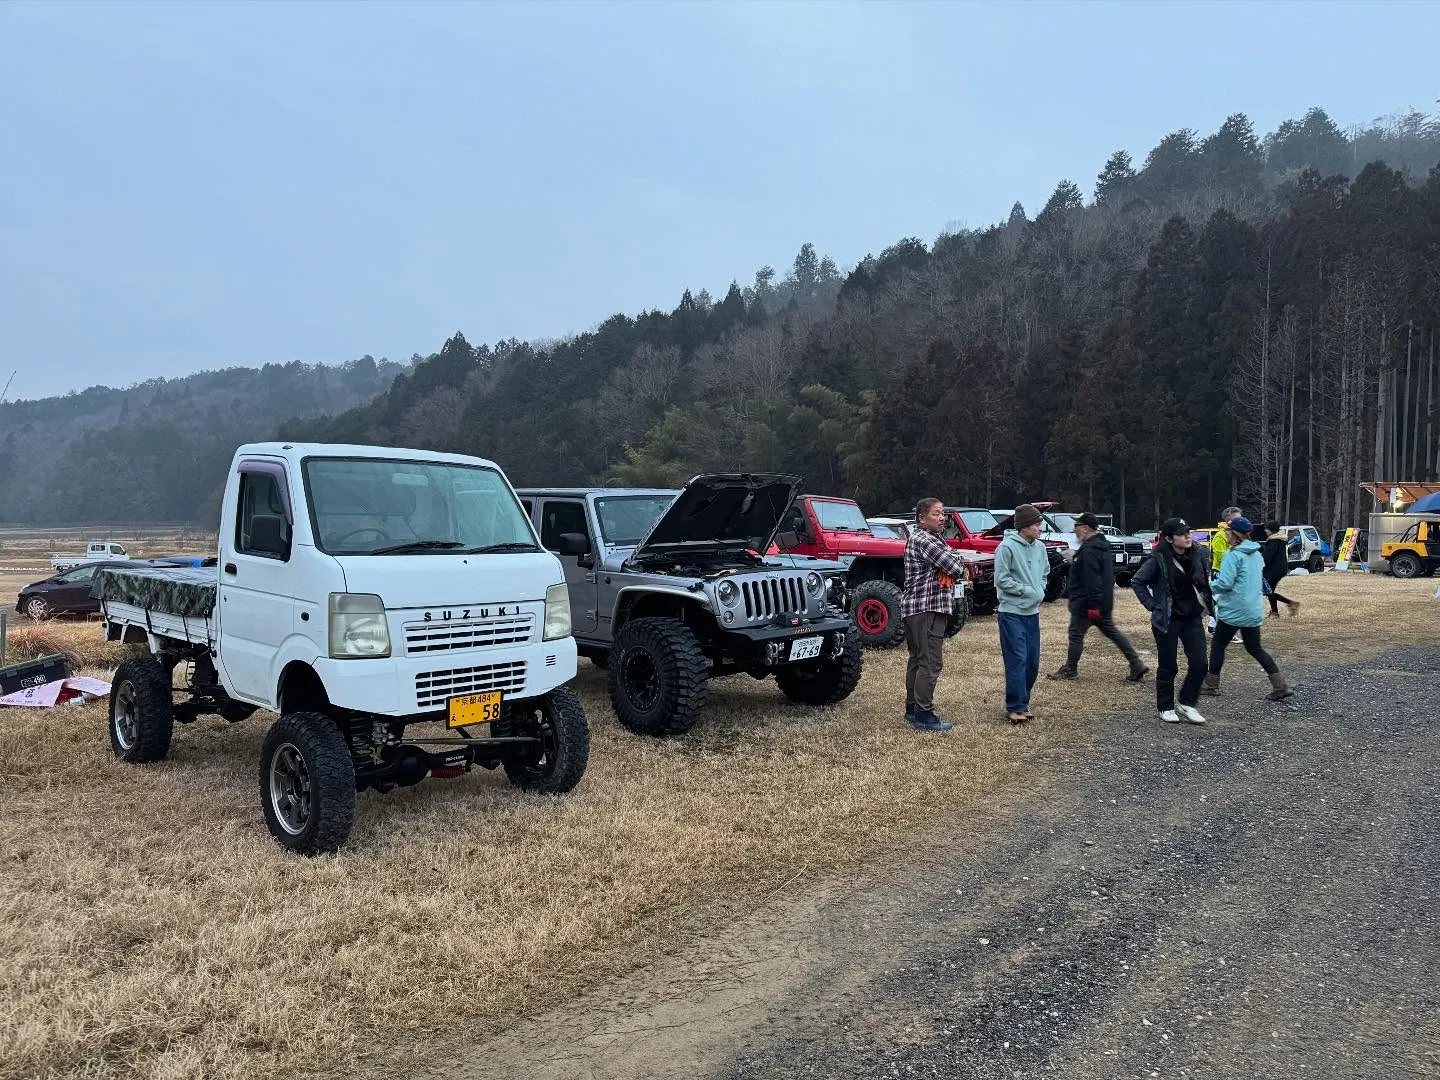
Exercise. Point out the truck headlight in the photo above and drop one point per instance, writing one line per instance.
(727, 593)
(814, 583)
(358, 628)
(557, 612)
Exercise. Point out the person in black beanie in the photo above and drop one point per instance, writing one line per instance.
(1174, 586)
(1091, 588)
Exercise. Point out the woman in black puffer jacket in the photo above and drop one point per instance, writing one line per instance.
(1272, 550)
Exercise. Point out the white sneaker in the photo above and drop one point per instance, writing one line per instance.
(1170, 716)
(1190, 714)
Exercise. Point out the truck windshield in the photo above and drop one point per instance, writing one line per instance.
(977, 521)
(628, 519)
(844, 517)
(380, 506)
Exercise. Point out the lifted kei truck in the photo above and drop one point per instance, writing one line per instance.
(359, 590)
(671, 590)
(823, 527)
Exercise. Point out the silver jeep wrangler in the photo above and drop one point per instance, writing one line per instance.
(668, 590)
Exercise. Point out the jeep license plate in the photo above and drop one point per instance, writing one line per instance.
(806, 648)
(470, 709)
(1120, 557)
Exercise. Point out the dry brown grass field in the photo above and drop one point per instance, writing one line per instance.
(153, 928)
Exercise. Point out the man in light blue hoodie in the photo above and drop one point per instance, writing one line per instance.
(1240, 608)
(1021, 569)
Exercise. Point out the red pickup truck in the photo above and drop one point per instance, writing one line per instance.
(827, 528)
(971, 528)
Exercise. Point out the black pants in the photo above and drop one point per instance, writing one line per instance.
(1276, 599)
(1080, 623)
(1250, 635)
(1191, 634)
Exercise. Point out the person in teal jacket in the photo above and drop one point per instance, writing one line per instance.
(1021, 570)
(1239, 591)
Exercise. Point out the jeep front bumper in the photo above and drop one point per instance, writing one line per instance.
(774, 645)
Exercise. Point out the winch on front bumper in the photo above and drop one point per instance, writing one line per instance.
(789, 639)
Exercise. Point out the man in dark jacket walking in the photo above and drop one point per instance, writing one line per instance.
(1092, 600)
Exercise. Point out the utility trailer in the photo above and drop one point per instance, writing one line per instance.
(358, 591)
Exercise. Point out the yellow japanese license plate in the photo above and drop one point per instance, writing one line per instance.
(474, 709)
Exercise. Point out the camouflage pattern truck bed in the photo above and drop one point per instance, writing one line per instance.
(185, 591)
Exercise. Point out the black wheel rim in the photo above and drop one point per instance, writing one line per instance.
(291, 797)
(640, 677)
(126, 723)
(539, 725)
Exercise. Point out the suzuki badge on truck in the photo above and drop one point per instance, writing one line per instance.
(359, 590)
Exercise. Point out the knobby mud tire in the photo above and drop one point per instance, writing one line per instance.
(142, 717)
(828, 683)
(876, 606)
(559, 762)
(663, 655)
(317, 814)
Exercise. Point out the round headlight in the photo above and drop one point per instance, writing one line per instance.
(814, 583)
(727, 593)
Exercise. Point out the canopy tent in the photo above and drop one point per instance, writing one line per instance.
(1411, 491)
(1426, 504)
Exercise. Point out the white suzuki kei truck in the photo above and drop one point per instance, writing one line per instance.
(358, 590)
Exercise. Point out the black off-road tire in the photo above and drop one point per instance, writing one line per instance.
(142, 718)
(876, 606)
(1316, 563)
(1055, 584)
(828, 682)
(959, 616)
(558, 762)
(1406, 565)
(659, 678)
(307, 783)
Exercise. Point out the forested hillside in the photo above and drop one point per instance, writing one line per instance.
(1230, 317)
(158, 451)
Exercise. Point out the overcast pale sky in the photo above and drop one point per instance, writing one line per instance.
(198, 185)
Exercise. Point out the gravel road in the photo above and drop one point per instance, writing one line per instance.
(1256, 898)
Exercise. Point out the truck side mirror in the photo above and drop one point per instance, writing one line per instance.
(787, 540)
(573, 544)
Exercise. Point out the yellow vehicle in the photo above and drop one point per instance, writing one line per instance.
(1416, 553)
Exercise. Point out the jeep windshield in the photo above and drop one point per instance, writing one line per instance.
(840, 517)
(383, 506)
(625, 520)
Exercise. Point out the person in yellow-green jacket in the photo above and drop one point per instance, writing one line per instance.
(1220, 541)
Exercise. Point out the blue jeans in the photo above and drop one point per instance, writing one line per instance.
(1020, 649)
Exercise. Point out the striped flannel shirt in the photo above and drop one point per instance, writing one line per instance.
(926, 560)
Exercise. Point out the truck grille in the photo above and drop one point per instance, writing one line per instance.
(425, 637)
(434, 688)
(769, 596)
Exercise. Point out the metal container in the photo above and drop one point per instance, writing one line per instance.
(1387, 529)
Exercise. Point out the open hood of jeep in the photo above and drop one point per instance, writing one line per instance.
(737, 510)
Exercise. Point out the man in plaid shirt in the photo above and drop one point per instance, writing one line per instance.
(931, 570)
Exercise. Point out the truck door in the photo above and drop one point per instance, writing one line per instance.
(257, 606)
(560, 516)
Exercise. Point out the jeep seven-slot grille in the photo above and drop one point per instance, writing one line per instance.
(434, 688)
(439, 636)
(770, 596)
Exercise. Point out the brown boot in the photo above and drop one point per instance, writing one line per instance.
(1212, 683)
(1279, 690)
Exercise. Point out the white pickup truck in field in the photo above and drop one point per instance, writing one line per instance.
(96, 551)
(359, 590)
